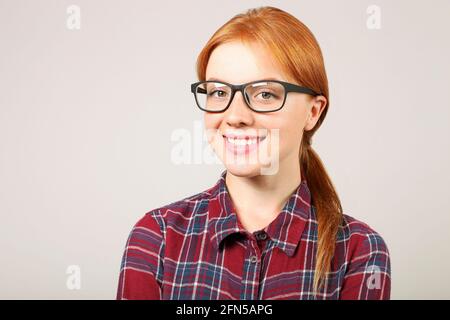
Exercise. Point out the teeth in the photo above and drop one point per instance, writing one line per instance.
(242, 142)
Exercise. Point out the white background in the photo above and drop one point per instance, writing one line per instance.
(86, 118)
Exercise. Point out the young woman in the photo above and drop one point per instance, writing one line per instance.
(259, 232)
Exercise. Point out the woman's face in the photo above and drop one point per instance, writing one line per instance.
(278, 134)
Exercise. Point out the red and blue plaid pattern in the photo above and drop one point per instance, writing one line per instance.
(196, 248)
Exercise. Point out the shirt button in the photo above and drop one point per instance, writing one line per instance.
(261, 236)
(253, 259)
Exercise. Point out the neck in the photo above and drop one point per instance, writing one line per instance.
(258, 200)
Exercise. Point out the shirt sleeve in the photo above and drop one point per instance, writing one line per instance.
(368, 275)
(141, 270)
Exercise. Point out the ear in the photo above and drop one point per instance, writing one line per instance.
(316, 106)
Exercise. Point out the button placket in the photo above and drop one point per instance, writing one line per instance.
(252, 270)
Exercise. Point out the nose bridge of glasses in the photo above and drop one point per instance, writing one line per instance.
(239, 88)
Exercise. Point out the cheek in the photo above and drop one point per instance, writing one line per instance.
(289, 135)
(208, 120)
(212, 124)
(211, 121)
(291, 128)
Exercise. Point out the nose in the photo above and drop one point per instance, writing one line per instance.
(238, 113)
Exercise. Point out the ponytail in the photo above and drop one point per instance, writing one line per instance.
(327, 206)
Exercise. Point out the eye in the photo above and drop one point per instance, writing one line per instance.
(220, 93)
(265, 95)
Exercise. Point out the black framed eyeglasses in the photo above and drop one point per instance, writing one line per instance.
(260, 95)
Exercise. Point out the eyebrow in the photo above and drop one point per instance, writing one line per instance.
(267, 78)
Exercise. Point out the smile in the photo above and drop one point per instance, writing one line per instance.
(242, 145)
(245, 141)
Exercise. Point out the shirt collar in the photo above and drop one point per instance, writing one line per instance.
(285, 231)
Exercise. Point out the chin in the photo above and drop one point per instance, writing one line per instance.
(244, 170)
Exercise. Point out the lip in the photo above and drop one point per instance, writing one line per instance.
(236, 136)
(242, 149)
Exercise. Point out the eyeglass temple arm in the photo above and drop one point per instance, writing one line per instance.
(199, 90)
(301, 89)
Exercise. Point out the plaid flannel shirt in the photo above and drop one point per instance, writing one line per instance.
(196, 248)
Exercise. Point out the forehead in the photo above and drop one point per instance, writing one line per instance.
(237, 62)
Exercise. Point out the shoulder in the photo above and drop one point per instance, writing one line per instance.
(362, 241)
(175, 214)
(147, 240)
(367, 264)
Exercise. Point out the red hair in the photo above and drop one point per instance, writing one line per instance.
(299, 56)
